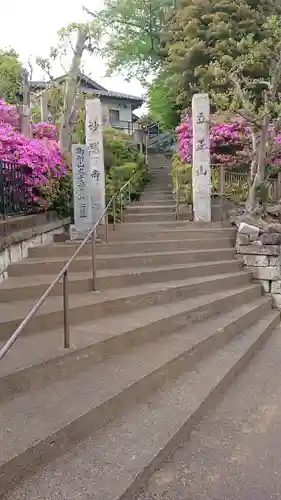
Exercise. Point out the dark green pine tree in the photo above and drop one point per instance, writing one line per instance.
(204, 33)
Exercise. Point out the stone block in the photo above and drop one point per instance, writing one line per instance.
(78, 234)
(32, 242)
(15, 252)
(276, 301)
(265, 273)
(248, 229)
(47, 238)
(259, 249)
(3, 276)
(274, 227)
(276, 287)
(249, 220)
(274, 261)
(242, 239)
(254, 239)
(4, 260)
(256, 260)
(270, 239)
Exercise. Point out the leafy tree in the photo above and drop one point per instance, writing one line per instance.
(76, 38)
(202, 33)
(162, 102)
(10, 76)
(252, 91)
(133, 35)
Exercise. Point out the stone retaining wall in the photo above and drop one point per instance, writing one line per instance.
(261, 254)
(14, 247)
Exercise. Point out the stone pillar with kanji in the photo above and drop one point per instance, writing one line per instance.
(94, 141)
(81, 193)
(201, 171)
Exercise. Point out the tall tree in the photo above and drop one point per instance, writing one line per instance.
(251, 90)
(202, 33)
(132, 32)
(162, 101)
(76, 38)
(10, 76)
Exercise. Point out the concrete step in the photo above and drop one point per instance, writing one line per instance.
(26, 368)
(33, 287)
(158, 177)
(93, 306)
(125, 415)
(35, 266)
(152, 190)
(148, 209)
(162, 184)
(150, 200)
(155, 192)
(123, 248)
(233, 453)
(150, 217)
(154, 201)
(177, 230)
(157, 226)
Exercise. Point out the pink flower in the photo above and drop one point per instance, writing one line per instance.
(41, 153)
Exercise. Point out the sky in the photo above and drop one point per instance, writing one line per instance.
(30, 27)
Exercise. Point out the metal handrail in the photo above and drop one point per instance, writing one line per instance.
(63, 274)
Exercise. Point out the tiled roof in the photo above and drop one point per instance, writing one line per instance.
(97, 89)
(118, 95)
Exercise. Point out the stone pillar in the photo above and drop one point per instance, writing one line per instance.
(201, 172)
(81, 192)
(94, 140)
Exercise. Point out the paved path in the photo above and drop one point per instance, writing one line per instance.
(235, 453)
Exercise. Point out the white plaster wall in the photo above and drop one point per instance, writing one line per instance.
(125, 113)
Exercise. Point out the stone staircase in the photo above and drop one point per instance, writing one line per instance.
(175, 319)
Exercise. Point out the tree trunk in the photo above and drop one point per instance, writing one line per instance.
(260, 155)
(254, 160)
(44, 107)
(70, 94)
(25, 107)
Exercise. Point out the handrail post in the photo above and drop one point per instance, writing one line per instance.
(66, 311)
(222, 190)
(121, 207)
(114, 213)
(3, 194)
(106, 227)
(177, 195)
(129, 192)
(94, 260)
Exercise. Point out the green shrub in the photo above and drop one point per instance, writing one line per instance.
(58, 194)
(182, 180)
(122, 161)
(118, 148)
(236, 186)
(118, 176)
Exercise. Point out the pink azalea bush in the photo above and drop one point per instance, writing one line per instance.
(41, 153)
(230, 145)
